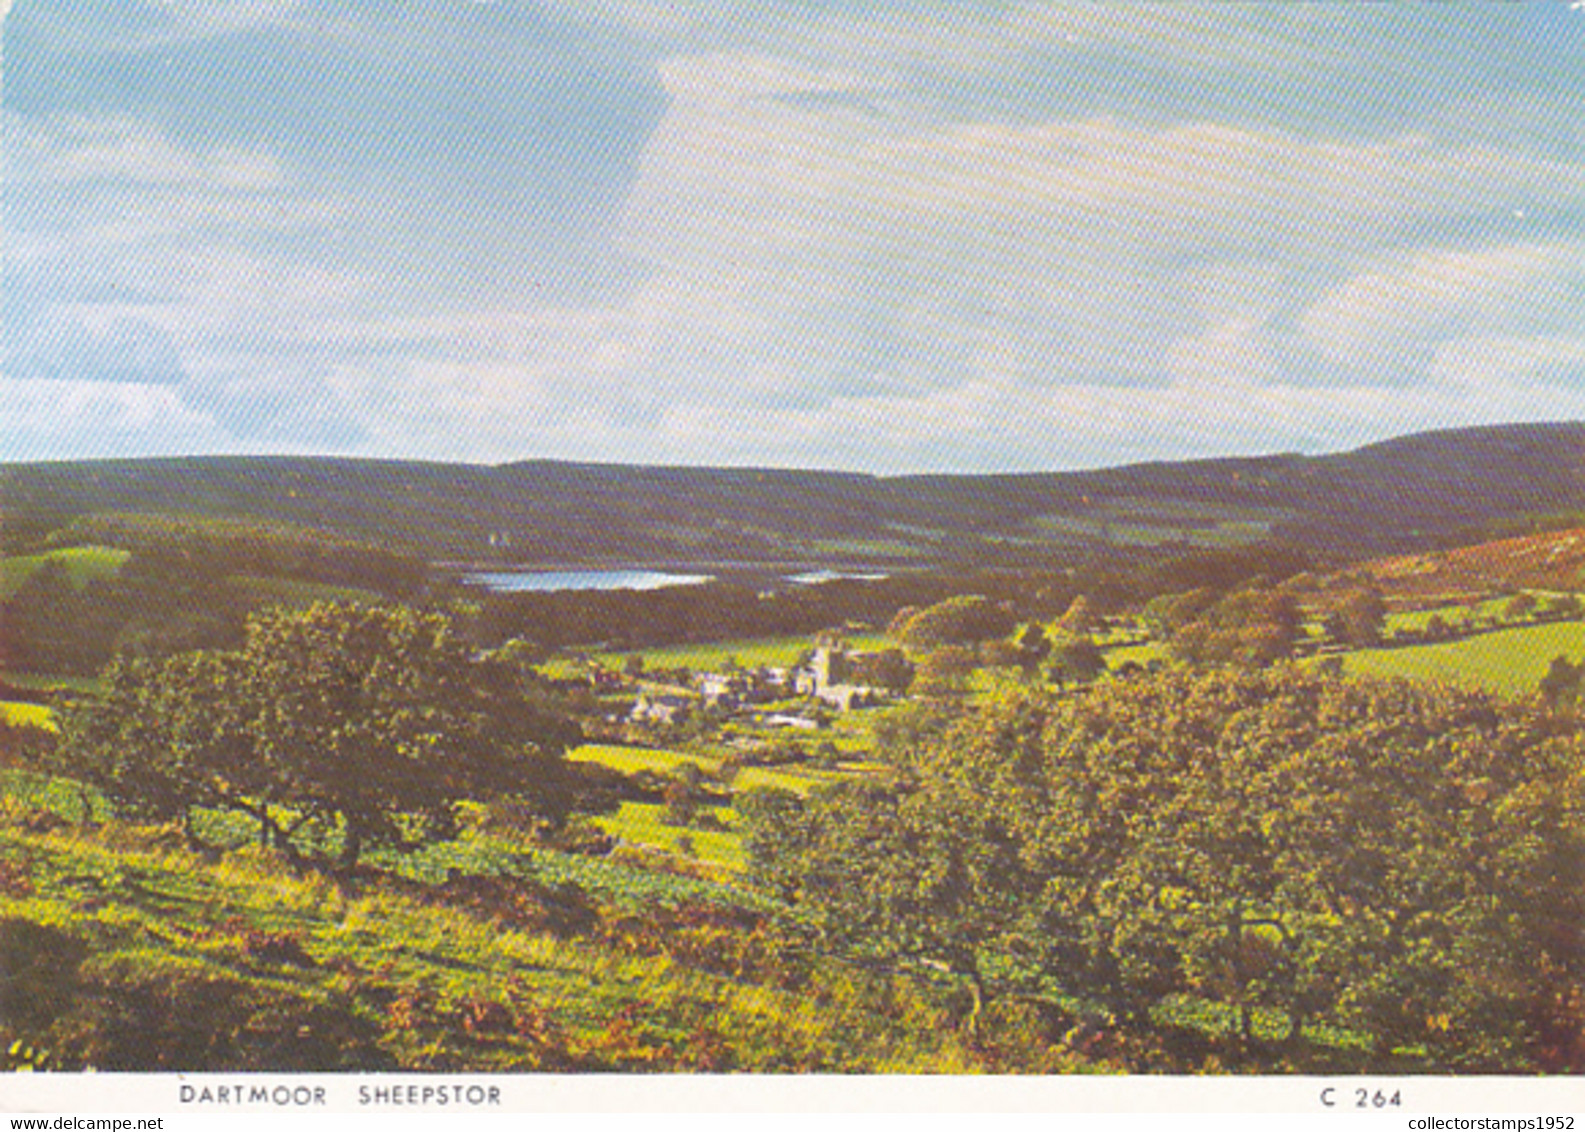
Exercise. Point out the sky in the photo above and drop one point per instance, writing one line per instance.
(886, 237)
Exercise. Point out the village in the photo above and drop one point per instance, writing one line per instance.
(833, 678)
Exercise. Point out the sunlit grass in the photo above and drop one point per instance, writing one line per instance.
(295, 592)
(1509, 661)
(21, 714)
(48, 681)
(641, 824)
(83, 564)
(756, 652)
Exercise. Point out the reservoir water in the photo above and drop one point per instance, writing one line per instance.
(817, 577)
(550, 581)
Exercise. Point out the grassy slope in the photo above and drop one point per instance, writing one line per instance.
(406, 963)
(294, 592)
(767, 652)
(157, 911)
(640, 824)
(1511, 661)
(83, 564)
(27, 715)
(46, 682)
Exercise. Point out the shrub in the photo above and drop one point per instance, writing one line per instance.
(38, 970)
(178, 1017)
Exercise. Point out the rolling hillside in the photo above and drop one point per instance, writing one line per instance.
(1554, 560)
(1414, 493)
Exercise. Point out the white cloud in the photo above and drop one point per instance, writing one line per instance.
(220, 17)
(45, 417)
(966, 38)
(828, 281)
(1511, 361)
(1226, 356)
(842, 252)
(127, 152)
(95, 346)
(1373, 318)
(901, 235)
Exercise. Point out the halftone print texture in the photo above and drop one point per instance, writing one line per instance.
(771, 536)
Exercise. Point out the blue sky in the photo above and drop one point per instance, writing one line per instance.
(878, 236)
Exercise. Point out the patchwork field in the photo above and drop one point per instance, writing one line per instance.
(1553, 560)
(22, 714)
(760, 652)
(642, 824)
(1510, 661)
(294, 592)
(83, 564)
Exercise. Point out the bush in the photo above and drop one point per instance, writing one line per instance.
(178, 1018)
(1398, 860)
(38, 970)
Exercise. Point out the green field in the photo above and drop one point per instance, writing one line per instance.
(629, 760)
(1138, 654)
(758, 652)
(294, 592)
(48, 681)
(639, 823)
(798, 779)
(83, 564)
(21, 714)
(1510, 661)
(1454, 615)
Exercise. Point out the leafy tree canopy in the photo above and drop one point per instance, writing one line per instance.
(963, 620)
(1396, 859)
(372, 722)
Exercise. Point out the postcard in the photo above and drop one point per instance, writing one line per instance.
(789, 556)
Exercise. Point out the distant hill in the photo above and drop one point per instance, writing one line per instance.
(1413, 493)
(1551, 561)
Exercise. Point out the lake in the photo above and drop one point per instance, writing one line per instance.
(550, 581)
(816, 577)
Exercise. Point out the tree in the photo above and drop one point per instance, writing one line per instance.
(1076, 660)
(1033, 648)
(1000, 654)
(367, 723)
(1359, 619)
(1385, 855)
(899, 622)
(1564, 607)
(1249, 628)
(1561, 686)
(884, 668)
(1080, 619)
(1166, 615)
(905, 874)
(944, 672)
(167, 738)
(963, 620)
(1400, 860)
(1520, 607)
